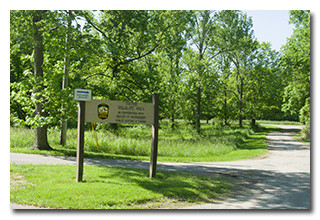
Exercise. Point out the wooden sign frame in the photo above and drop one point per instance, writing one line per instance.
(109, 111)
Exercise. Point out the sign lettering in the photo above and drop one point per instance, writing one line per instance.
(82, 95)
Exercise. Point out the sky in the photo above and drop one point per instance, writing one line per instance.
(271, 26)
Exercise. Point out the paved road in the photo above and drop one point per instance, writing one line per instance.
(278, 180)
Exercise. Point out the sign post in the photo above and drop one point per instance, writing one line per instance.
(154, 141)
(81, 95)
(80, 143)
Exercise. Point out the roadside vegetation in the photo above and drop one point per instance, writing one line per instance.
(110, 188)
(300, 136)
(263, 122)
(133, 142)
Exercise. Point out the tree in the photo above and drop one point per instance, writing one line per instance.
(223, 102)
(170, 64)
(21, 49)
(296, 63)
(43, 88)
(63, 131)
(264, 95)
(73, 46)
(41, 141)
(202, 35)
(129, 38)
(238, 42)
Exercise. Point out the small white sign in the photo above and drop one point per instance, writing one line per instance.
(82, 95)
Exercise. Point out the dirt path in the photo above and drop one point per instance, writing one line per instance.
(279, 180)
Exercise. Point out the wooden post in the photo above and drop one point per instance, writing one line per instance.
(154, 141)
(80, 145)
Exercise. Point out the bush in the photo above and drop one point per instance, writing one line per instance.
(305, 133)
(217, 123)
(304, 116)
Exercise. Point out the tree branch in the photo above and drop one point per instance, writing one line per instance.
(98, 74)
(95, 27)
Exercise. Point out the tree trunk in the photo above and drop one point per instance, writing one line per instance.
(41, 141)
(172, 117)
(240, 93)
(241, 101)
(240, 114)
(63, 131)
(253, 122)
(225, 108)
(198, 110)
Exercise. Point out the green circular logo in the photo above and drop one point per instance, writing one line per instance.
(103, 111)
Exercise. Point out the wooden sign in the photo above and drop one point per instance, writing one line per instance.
(110, 111)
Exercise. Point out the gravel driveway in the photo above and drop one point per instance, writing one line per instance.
(278, 180)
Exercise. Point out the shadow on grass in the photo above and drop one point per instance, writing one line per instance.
(253, 142)
(73, 153)
(176, 185)
(256, 139)
(280, 190)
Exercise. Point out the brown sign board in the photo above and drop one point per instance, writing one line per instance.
(110, 111)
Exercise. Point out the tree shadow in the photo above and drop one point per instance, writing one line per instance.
(289, 143)
(274, 190)
(286, 145)
(263, 189)
(252, 143)
(179, 186)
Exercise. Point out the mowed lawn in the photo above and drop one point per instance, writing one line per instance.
(110, 188)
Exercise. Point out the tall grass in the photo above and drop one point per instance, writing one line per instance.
(181, 144)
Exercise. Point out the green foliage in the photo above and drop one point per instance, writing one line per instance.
(24, 85)
(203, 64)
(305, 112)
(265, 84)
(296, 63)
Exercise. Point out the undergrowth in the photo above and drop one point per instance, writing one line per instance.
(133, 142)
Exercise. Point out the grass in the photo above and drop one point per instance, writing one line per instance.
(299, 137)
(110, 188)
(279, 122)
(133, 142)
